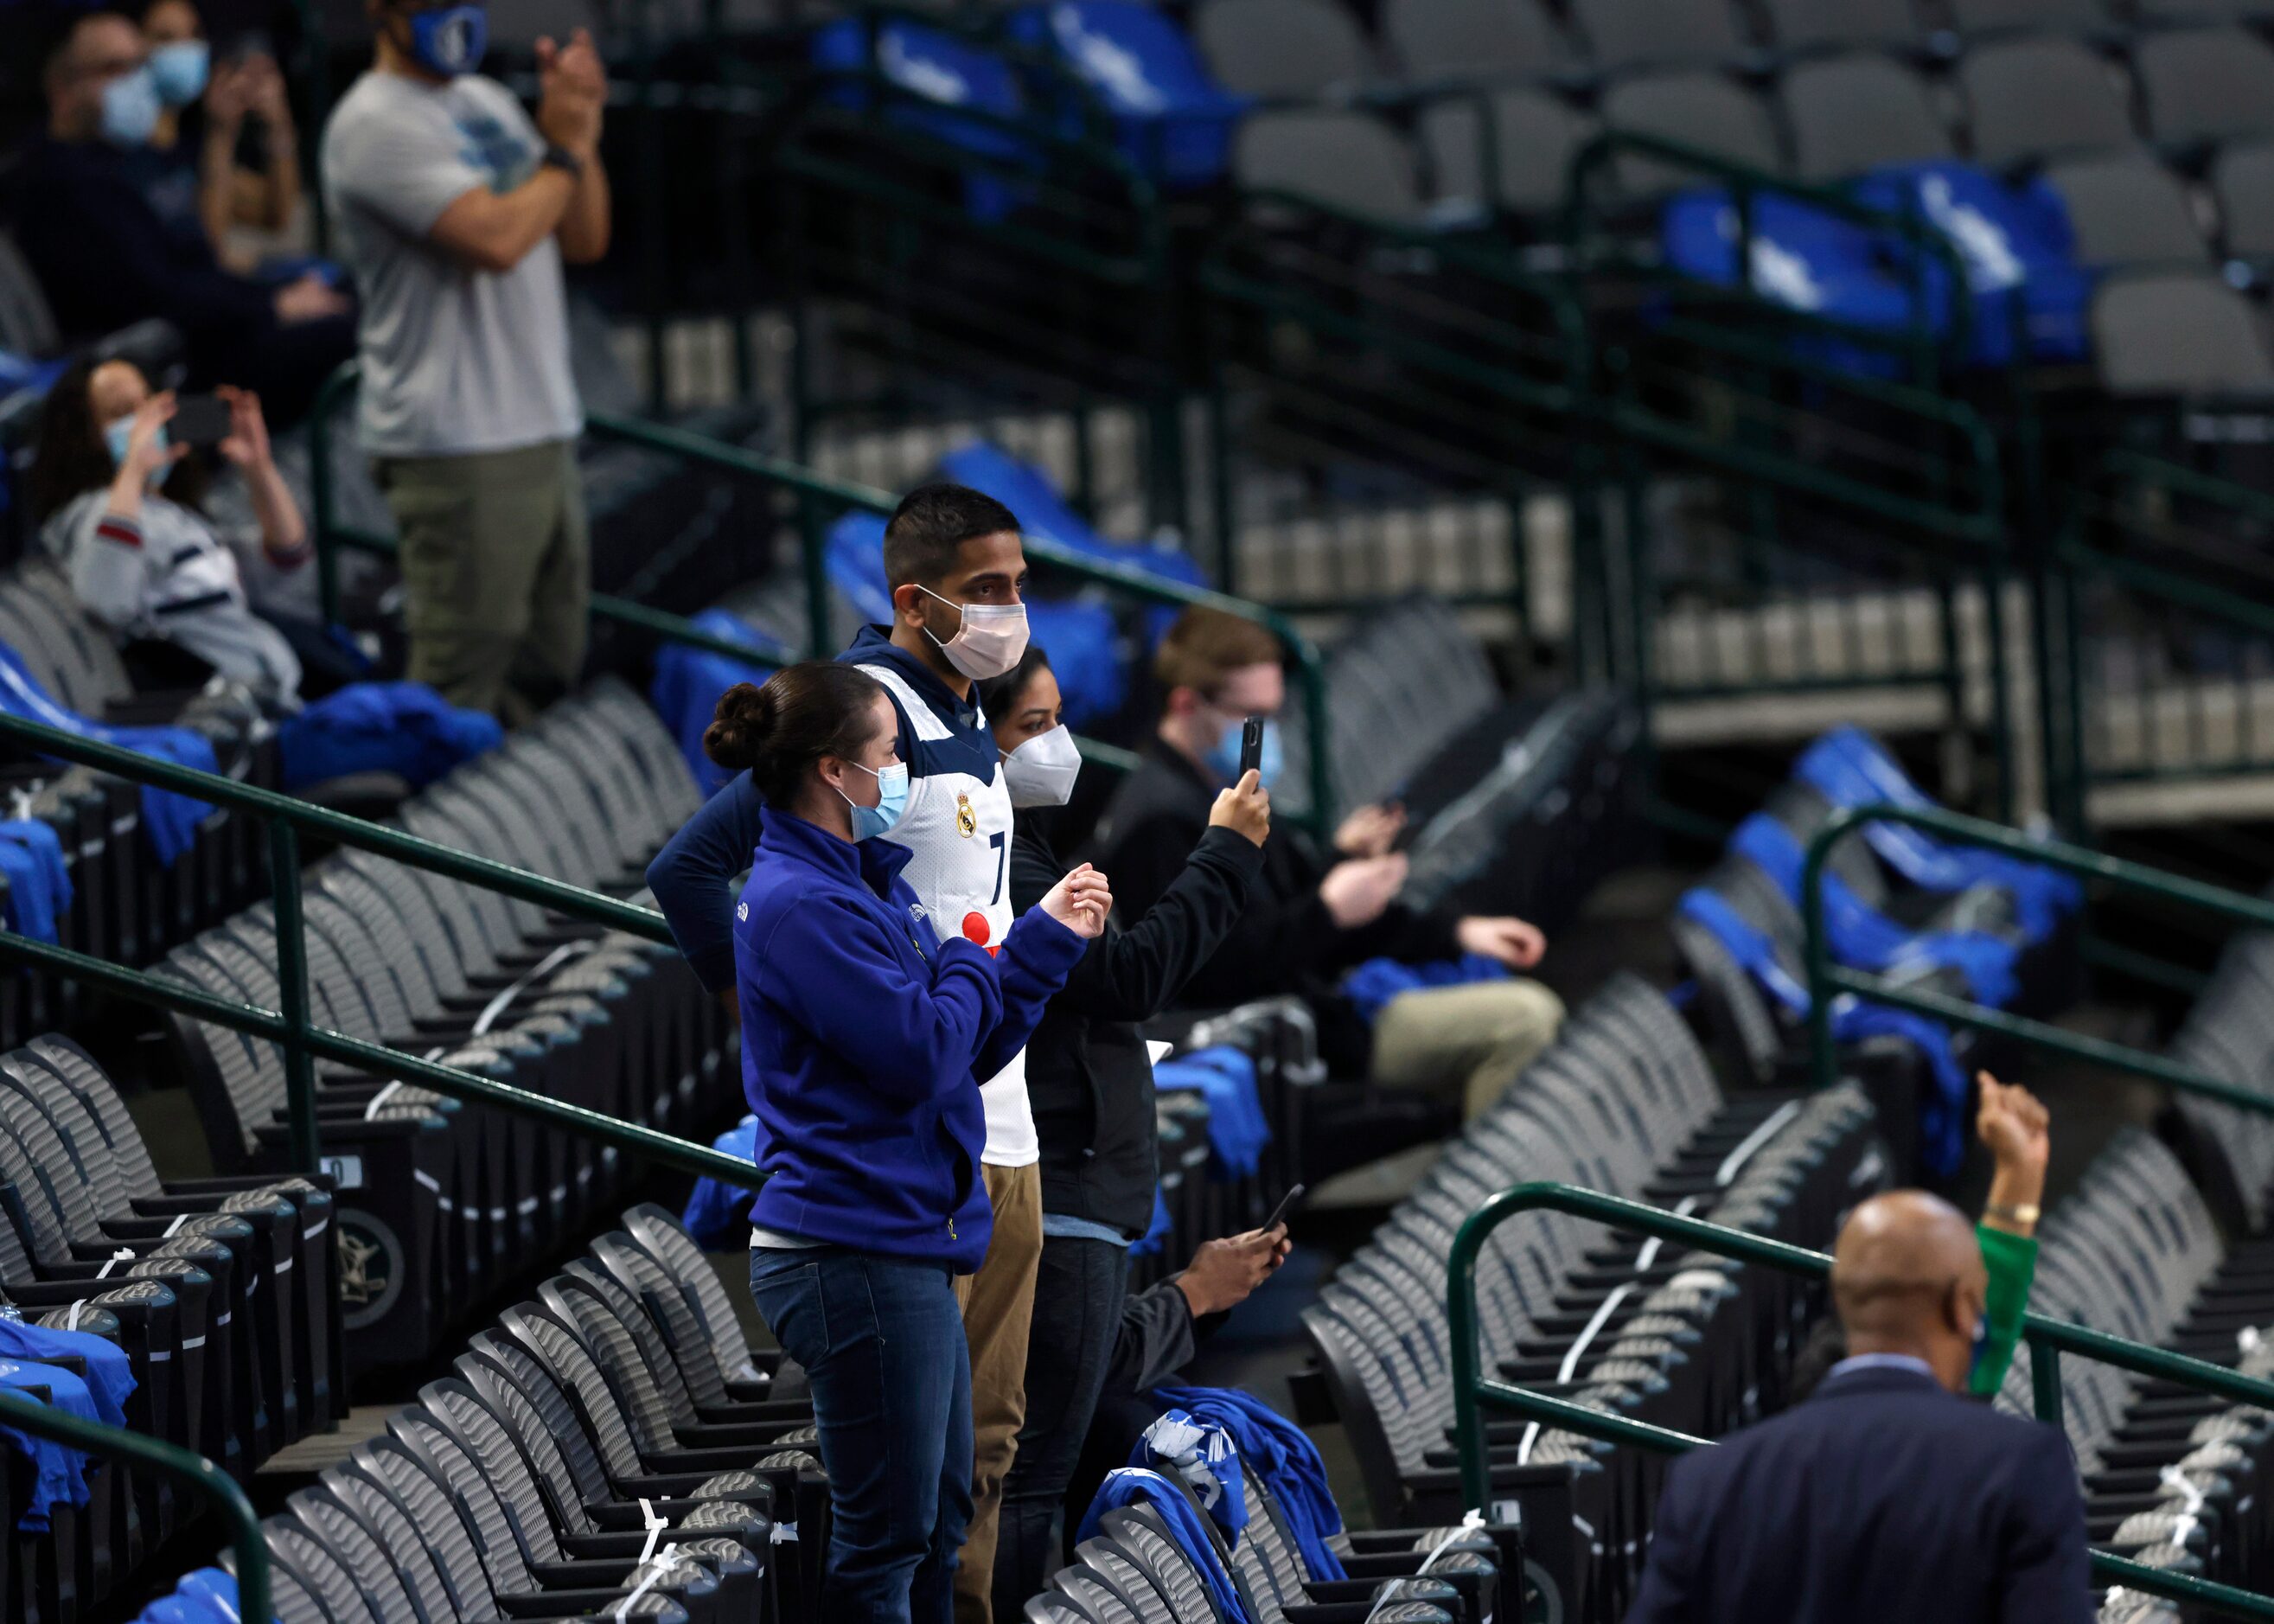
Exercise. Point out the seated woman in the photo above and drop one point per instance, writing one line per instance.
(864, 1036)
(198, 180)
(118, 508)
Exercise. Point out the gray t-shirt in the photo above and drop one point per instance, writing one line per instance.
(455, 359)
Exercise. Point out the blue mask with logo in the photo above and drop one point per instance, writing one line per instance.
(1225, 758)
(449, 39)
(130, 109)
(178, 71)
(893, 788)
(119, 434)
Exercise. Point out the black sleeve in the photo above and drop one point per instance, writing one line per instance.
(1134, 974)
(1154, 1340)
(105, 239)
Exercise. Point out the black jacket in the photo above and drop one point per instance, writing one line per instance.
(1284, 941)
(1088, 1073)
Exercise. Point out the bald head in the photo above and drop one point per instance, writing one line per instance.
(1908, 1278)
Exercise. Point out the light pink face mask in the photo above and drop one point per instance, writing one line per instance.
(990, 641)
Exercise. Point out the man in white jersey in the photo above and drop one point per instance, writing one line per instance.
(956, 568)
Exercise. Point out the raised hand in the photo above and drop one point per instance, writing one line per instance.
(1370, 831)
(247, 445)
(1245, 809)
(1356, 893)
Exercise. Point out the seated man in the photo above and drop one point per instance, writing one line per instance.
(1308, 922)
(1884, 1497)
(106, 260)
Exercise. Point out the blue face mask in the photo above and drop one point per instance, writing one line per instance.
(449, 39)
(1225, 758)
(178, 71)
(130, 109)
(121, 433)
(893, 791)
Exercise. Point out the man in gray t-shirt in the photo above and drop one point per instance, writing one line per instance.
(455, 212)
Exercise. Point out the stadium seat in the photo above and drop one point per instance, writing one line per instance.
(2205, 84)
(2242, 180)
(1534, 137)
(1981, 17)
(2180, 335)
(1353, 162)
(1852, 113)
(1811, 25)
(2128, 211)
(1706, 110)
(1282, 48)
(1625, 34)
(2035, 98)
(1466, 40)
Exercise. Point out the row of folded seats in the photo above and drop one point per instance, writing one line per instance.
(205, 1313)
(610, 1447)
(440, 1200)
(1626, 1103)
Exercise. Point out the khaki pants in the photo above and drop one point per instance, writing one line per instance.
(998, 1310)
(1464, 1043)
(496, 574)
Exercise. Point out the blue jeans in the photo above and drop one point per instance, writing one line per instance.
(881, 1341)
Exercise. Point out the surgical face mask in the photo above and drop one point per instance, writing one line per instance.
(130, 109)
(990, 641)
(449, 39)
(1042, 771)
(178, 71)
(892, 792)
(1225, 758)
(120, 434)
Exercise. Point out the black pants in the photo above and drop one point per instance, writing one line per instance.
(1077, 1293)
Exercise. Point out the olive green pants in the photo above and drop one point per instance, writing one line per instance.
(496, 574)
(1464, 1043)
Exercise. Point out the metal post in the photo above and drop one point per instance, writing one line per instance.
(1461, 1328)
(812, 542)
(292, 995)
(1822, 1061)
(2044, 1380)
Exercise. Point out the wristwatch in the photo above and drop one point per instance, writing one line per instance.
(2024, 1214)
(560, 157)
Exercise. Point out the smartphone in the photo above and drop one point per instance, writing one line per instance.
(199, 421)
(1287, 1204)
(1251, 748)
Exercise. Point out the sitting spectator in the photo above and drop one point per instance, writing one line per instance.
(1090, 1081)
(198, 181)
(118, 509)
(107, 259)
(1884, 1497)
(1307, 922)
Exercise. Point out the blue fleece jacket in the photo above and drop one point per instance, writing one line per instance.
(863, 1037)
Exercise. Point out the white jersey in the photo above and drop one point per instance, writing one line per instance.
(958, 828)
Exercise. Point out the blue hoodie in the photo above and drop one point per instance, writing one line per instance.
(864, 1036)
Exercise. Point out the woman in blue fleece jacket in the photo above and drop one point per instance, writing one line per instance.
(863, 1035)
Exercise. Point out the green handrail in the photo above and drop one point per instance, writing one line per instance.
(1827, 978)
(817, 491)
(2048, 1340)
(293, 1029)
(200, 1477)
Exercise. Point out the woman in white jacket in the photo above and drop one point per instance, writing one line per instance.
(117, 506)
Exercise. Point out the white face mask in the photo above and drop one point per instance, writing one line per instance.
(990, 641)
(1041, 771)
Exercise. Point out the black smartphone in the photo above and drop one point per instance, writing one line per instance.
(1287, 1204)
(1251, 745)
(199, 421)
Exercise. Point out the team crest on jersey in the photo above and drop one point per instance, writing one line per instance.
(967, 820)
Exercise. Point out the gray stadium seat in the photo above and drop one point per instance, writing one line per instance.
(1706, 110)
(2029, 98)
(1282, 48)
(2127, 210)
(1346, 161)
(1627, 34)
(1852, 113)
(1974, 17)
(2201, 11)
(1535, 136)
(2242, 179)
(2179, 334)
(1801, 25)
(2206, 84)
(1473, 39)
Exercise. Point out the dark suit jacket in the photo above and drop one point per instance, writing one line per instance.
(1882, 1500)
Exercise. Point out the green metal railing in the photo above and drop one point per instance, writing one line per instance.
(293, 1029)
(203, 1478)
(1826, 979)
(2048, 1340)
(817, 499)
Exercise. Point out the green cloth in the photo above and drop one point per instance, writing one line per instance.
(2012, 1261)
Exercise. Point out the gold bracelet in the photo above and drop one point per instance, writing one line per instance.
(2025, 1214)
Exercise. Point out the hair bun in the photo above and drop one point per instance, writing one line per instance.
(741, 726)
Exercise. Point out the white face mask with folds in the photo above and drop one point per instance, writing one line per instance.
(990, 639)
(1042, 771)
